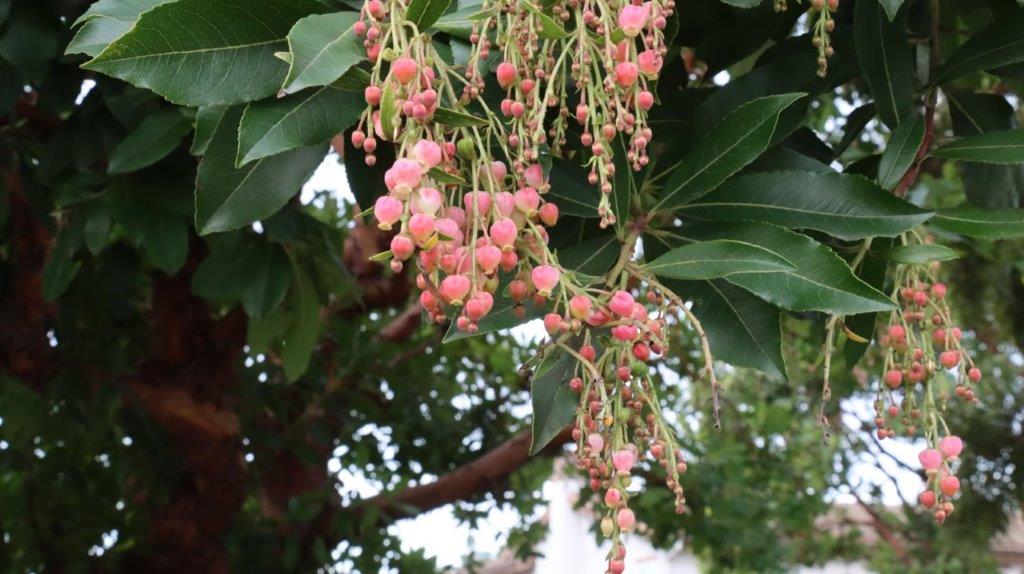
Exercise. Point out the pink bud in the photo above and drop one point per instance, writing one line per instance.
(596, 442)
(402, 247)
(454, 288)
(544, 277)
(428, 301)
(623, 460)
(387, 211)
(534, 176)
(613, 497)
(450, 229)
(506, 74)
(951, 446)
(509, 259)
(498, 170)
(427, 200)
(633, 18)
(622, 303)
(402, 177)
(553, 323)
(527, 200)
(625, 332)
(421, 227)
(505, 202)
(625, 519)
(580, 306)
(404, 69)
(427, 153)
(488, 257)
(645, 100)
(503, 233)
(626, 74)
(927, 499)
(930, 458)
(949, 359)
(372, 95)
(457, 214)
(649, 62)
(477, 202)
(949, 485)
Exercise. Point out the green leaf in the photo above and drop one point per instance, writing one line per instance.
(267, 279)
(571, 191)
(900, 151)
(207, 119)
(737, 140)
(153, 140)
(263, 331)
(742, 3)
(104, 22)
(785, 159)
(206, 52)
(987, 185)
(842, 205)
(503, 316)
(920, 254)
(323, 48)
(424, 13)
(554, 403)
(1000, 147)
(715, 259)
(855, 124)
(308, 118)
(166, 241)
(454, 119)
(150, 222)
(549, 28)
(892, 7)
(300, 338)
(228, 197)
(822, 281)
(96, 230)
(998, 45)
(742, 329)
(886, 59)
(61, 267)
(459, 23)
(981, 222)
(595, 256)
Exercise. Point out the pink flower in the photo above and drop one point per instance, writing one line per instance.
(421, 227)
(498, 170)
(622, 303)
(534, 176)
(457, 214)
(527, 200)
(506, 74)
(579, 306)
(553, 323)
(427, 200)
(488, 257)
(623, 460)
(930, 458)
(625, 332)
(505, 202)
(454, 288)
(372, 95)
(450, 229)
(613, 497)
(626, 74)
(549, 214)
(633, 18)
(645, 100)
(404, 69)
(949, 485)
(479, 305)
(596, 442)
(402, 247)
(951, 446)
(402, 177)
(503, 233)
(545, 277)
(477, 202)
(427, 152)
(625, 519)
(388, 211)
(649, 62)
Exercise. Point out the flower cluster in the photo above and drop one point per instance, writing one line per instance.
(942, 483)
(821, 14)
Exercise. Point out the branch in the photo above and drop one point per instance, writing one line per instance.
(886, 532)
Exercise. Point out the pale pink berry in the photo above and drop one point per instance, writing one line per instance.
(596, 442)
(372, 95)
(649, 62)
(625, 519)
(387, 210)
(427, 153)
(949, 359)
(613, 497)
(402, 247)
(403, 177)
(404, 69)
(623, 460)
(633, 18)
(548, 214)
(949, 485)
(527, 200)
(506, 74)
(505, 202)
(375, 8)
(951, 446)
(974, 374)
(622, 303)
(421, 227)
(553, 323)
(503, 233)
(616, 566)
(930, 458)
(625, 332)
(454, 288)
(626, 74)
(427, 200)
(477, 202)
(938, 290)
(645, 100)
(534, 176)
(580, 306)
(488, 258)
(893, 378)
(544, 277)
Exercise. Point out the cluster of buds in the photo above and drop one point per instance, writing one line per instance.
(942, 482)
(612, 54)
(821, 14)
(923, 351)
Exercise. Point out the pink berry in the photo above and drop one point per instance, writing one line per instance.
(404, 69)
(372, 95)
(622, 303)
(974, 374)
(580, 306)
(642, 352)
(949, 485)
(927, 499)
(893, 378)
(645, 100)
(517, 290)
(949, 359)
(938, 290)
(588, 353)
(951, 446)
(506, 74)
(930, 458)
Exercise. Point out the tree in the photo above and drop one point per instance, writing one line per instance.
(188, 338)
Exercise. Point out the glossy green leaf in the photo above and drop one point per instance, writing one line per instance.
(554, 403)
(785, 159)
(737, 140)
(920, 254)
(307, 118)
(96, 231)
(982, 223)
(571, 191)
(300, 338)
(715, 259)
(822, 281)
(742, 3)
(166, 241)
(855, 124)
(842, 205)
(323, 48)
(742, 329)
(502, 316)
(1000, 44)
(228, 197)
(1001, 147)
(207, 118)
(459, 23)
(205, 52)
(886, 59)
(268, 277)
(104, 22)
(900, 151)
(595, 256)
(986, 184)
(454, 119)
(155, 137)
(61, 266)
(550, 29)
(424, 13)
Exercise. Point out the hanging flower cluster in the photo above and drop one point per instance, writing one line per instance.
(823, 25)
